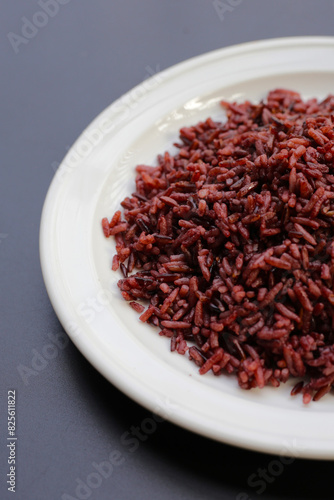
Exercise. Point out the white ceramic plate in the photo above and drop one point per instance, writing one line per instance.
(97, 173)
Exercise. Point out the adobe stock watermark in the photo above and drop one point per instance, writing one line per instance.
(137, 434)
(130, 441)
(91, 306)
(121, 111)
(98, 473)
(223, 7)
(3, 236)
(40, 359)
(31, 27)
(265, 476)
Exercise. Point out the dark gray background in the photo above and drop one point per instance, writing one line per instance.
(87, 55)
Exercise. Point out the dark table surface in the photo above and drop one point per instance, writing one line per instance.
(54, 80)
